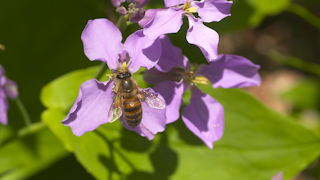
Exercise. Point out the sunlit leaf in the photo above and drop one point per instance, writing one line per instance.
(61, 92)
(23, 156)
(257, 143)
(305, 95)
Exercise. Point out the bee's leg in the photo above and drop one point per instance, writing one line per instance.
(117, 102)
(141, 97)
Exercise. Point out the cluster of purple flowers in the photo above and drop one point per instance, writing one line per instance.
(166, 67)
(8, 88)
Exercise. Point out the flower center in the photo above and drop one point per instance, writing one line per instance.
(186, 7)
(192, 78)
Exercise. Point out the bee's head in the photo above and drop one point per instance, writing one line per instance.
(123, 75)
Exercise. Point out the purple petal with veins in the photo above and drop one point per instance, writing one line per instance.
(164, 22)
(205, 38)
(91, 107)
(143, 51)
(169, 3)
(231, 71)
(172, 93)
(204, 116)
(171, 56)
(102, 41)
(213, 10)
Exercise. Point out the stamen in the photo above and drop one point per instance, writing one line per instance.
(193, 79)
(201, 80)
(189, 9)
(124, 66)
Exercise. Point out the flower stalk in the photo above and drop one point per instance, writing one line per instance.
(23, 112)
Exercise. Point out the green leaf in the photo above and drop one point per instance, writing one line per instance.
(257, 143)
(62, 92)
(305, 95)
(95, 150)
(24, 156)
(247, 13)
(5, 133)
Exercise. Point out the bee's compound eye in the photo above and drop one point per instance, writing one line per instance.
(127, 75)
(120, 76)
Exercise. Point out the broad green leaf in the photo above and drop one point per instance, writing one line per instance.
(257, 143)
(24, 156)
(95, 150)
(5, 133)
(305, 95)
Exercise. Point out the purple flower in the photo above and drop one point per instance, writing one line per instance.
(9, 89)
(102, 41)
(169, 20)
(204, 116)
(138, 3)
(134, 11)
(278, 176)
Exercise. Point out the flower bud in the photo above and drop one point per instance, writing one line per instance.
(122, 11)
(141, 3)
(116, 3)
(137, 16)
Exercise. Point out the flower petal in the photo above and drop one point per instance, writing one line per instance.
(4, 106)
(102, 41)
(278, 176)
(11, 89)
(164, 22)
(231, 71)
(1, 70)
(141, 3)
(143, 51)
(91, 107)
(169, 3)
(116, 3)
(171, 56)
(153, 120)
(205, 38)
(172, 93)
(213, 10)
(204, 116)
(149, 14)
(154, 76)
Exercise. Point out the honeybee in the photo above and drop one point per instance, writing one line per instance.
(128, 98)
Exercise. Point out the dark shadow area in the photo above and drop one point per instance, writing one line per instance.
(241, 13)
(109, 162)
(164, 161)
(131, 141)
(184, 133)
(65, 169)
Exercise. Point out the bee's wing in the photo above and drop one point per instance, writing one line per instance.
(150, 99)
(115, 110)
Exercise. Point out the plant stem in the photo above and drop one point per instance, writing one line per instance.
(305, 14)
(23, 112)
(295, 62)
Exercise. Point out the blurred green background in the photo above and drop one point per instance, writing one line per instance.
(42, 42)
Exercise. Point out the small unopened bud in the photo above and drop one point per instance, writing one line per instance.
(122, 11)
(137, 16)
(117, 3)
(141, 3)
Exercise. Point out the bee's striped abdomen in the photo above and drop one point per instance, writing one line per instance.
(132, 111)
